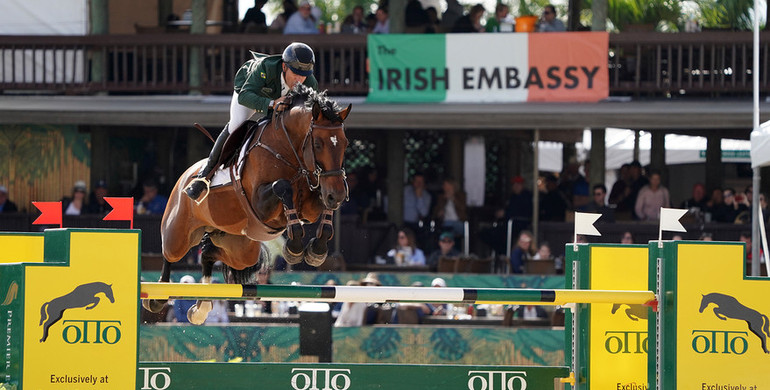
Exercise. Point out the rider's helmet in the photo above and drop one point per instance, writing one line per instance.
(299, 58)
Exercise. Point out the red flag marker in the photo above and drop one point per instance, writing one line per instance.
(122, 210)
(50, 213)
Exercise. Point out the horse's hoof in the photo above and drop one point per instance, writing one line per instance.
(153, 305)
(312, 258)
(291, 258)
(198, 313)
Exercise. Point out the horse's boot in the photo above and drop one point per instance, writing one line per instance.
(201, 182)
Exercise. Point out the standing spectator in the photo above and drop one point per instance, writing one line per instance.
(6, 206)
(553, 205)
(637, 182)
(383, 22)
(450, 209)
(548, 22)
(598, 205)
(434, 24)
(406, 251)
(254, 21)
(734, 206)
(76, 204)
(302, 21)
(651, 198)
(96, 202)
(279, 23)
(454, 11)
(522, 252)
(354, 23)
(446, 248)
(621, 190)
(716, 209)
(519, 206)
(501, 17)
(417, 201)
(151, 202)
(416, 19)
(471, 22)
(698, 199)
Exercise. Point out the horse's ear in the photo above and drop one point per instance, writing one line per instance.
(344, 113)
(317, 111)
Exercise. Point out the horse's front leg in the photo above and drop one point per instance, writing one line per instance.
(317, 248)
(156, 305)
(198, 312)
(281, 189)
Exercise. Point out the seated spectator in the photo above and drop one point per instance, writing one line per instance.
(382, 25)
(698, 199)
(302, 21)
(531, 313)
(548, 22)
(599, 206)
(627, 238)
(502, 18)
(354, 23)
(6, 206)
(470, 22)
(254, 20)
(651, 198)
(706, 236)
(416, 19)
(76, 204)
(446, 248)
(716, 209)
(181, 306)
(553, 204)
(522, 252)
(151, 202)
(454, 11)
(734, 206)
(434, 24)
(450, 208)
(544, 253)
(96, 202)
(406, 251)
(279, 23)
(519, 206)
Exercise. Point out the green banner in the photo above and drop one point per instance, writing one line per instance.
(12, 318)
(407, 67)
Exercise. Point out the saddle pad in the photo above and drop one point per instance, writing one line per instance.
(222, 175)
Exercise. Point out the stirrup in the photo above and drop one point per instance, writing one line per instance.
(205, 181)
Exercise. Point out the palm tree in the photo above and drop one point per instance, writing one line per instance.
(726, 14)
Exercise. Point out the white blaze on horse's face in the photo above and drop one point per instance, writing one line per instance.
(334, 140)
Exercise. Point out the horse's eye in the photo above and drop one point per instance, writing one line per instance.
(317, 145)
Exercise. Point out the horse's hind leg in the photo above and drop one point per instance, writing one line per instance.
(292, 251)
(52, 319)
(156, 305)
(198, 313)
(317, 248)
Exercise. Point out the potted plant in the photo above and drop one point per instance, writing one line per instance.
(527, 20)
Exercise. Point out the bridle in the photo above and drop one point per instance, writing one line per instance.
(302, 170)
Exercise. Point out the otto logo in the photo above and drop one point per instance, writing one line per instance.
(497, 380)
(312, 378)
(626, 341)
(719, 341)
(156, 378)
(91, 331)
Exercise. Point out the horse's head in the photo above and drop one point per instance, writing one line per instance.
(324, 143)
(704, 302)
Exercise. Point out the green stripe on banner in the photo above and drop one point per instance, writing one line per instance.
(407, 68)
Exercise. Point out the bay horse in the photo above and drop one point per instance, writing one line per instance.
(292, 173)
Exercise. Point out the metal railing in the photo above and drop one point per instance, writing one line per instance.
(655, 64)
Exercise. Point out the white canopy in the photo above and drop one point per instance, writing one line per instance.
(760, 146)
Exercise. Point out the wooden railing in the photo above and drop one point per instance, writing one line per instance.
(654, 64)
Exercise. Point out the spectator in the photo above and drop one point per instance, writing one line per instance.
(598, 205)
(733, 206)
(522, 252)
(746, 239)
(446, 248)
(151, 202)
(351, 314)
(573, 185)
(627, 238)
(406, 251)
(434, 24)
(620, 192)
(553, 205)
(454, 11)
(698, 199)
(416, 19)
(383, 22)
(450, 209)
(354, 23)
(76, 204)
(96, 202)
(279, 23)
(302, 21)
(530, 312)
(6, 206)
(548, 22)
(254, 21)
(182, 306)
(438, 308)
(417, 201)
(544, 253)
(471, 22)
(651, 198)
(519, 207)
(500, 19)
(637, 180)
(706, 236)
(716, 209)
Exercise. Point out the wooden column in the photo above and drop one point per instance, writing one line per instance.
(397, 15)
(396, 179)
(100, 25)
(714, 169)
(598, 157)
(456, 157)
(196, 52)
(658, 155)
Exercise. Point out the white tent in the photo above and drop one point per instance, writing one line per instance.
(760, 146)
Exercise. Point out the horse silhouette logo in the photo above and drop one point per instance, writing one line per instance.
(634, 312)
(82, 296)
(729, 307)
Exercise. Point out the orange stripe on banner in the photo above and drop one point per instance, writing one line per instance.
(568, 67)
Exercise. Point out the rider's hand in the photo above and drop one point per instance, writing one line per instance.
(279, 105)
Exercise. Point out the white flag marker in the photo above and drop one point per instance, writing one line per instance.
(584, 224)
(669, 221)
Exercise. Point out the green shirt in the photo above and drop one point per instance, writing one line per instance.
(258, 81)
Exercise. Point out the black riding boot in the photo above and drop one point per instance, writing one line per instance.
(201, 182)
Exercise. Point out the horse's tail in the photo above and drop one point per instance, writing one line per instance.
(43, 313)
(766, 327)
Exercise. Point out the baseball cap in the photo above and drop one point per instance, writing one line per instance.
(446, 235)
(187, 279)
(517, 179)
(80, 185)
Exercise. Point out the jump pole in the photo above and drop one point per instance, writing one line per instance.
(393, 294)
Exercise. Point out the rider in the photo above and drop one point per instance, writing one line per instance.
(260, 85)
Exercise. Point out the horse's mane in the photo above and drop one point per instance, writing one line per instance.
(329, 108)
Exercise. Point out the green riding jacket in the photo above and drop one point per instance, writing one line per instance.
(258, 81)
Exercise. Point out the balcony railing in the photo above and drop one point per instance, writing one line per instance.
(654, 64)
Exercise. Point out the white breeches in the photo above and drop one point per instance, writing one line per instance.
(238, 114)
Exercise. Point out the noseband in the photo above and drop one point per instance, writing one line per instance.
(301, 169)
